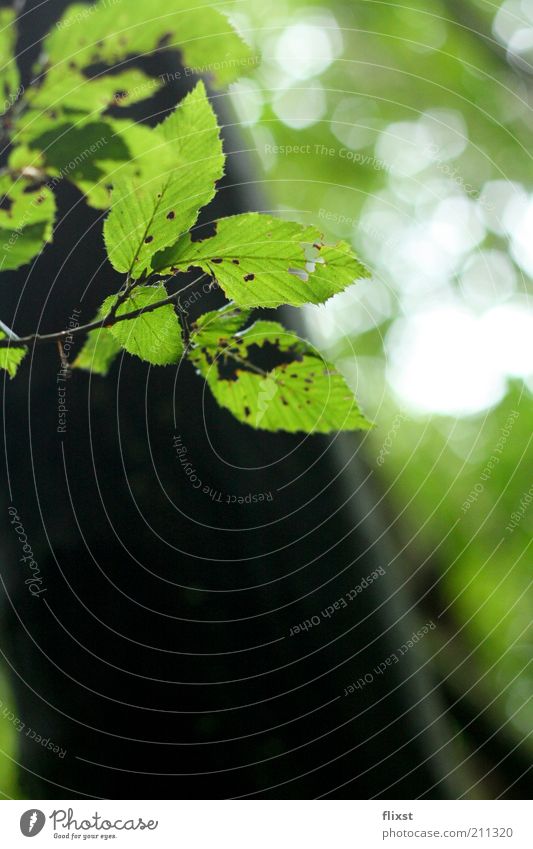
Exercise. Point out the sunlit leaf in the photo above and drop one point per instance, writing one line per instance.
(147, 217)
(263, 261)
(9, 76)
(91, 155)
(11, 357)
(98, 352)
(63, 97)
(111, 30)
(154, 335)
(26, 221)
(271, 379)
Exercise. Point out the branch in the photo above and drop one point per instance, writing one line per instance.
(108, 321)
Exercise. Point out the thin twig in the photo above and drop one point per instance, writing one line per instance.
(108, 321)
(8, 332)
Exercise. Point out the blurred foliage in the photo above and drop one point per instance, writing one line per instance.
(457, 507)
(8, 744)
(405, 128)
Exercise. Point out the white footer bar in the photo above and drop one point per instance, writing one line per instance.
(268, 824)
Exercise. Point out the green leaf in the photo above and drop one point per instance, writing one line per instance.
(93, 154)
(132, 151)
(301, 393)
(10, 88)
(76, 153)
(11, 358)
(147, 217)
(90, 155)
(108, 32)
(79, 94)
(26, 221)
(23, 203)
(219, 325)
(154, 335)
(260, 261)
(98, 352)
(23, 161)
(65, 96)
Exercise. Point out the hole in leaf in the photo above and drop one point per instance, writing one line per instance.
(204, 231)
(264, 357)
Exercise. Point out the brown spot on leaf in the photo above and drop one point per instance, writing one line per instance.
(171, 215)
(216, 260)
(149, 239)
(248, 277)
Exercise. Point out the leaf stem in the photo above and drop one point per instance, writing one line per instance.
(246, 363)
